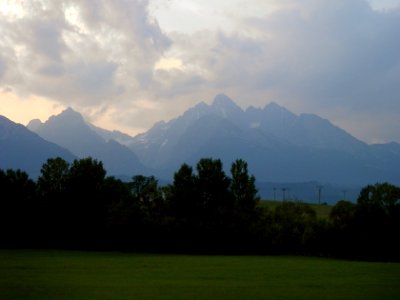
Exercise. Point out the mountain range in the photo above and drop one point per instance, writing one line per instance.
(83, 139)
(278, 145)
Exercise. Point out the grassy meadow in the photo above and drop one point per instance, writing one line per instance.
(44, 275)
(322, 210)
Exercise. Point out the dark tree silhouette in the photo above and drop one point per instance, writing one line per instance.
(88, 207)
(53, 202)
(144, 188)
(77, 206)
(213, 189)
(17, 208)
(146, 192)
(183, 200)
(243, 188)
(377, 219)
(53, 177)
(293, 225)
(342, 215)
(342, 233)
(125, 218)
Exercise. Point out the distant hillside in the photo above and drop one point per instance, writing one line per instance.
(22, 149)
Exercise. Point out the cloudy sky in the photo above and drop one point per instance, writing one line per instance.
(126, 64)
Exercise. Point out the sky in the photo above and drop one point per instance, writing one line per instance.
(126, 64)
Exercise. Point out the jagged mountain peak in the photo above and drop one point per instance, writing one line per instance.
(69, 110)
(69, 115)
(69, 130)
(278, 119)
(272, 117)
(199, 106)
(295, 147)
(66, 118)
(274, 105)
(196, 112)
(314, 120)
(222, 100)
(275, 108)
(34, 125)
(225, 107)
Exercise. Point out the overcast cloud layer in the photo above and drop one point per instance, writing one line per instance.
(136, 62)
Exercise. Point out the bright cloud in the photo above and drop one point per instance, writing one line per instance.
(81, 52)
(23, 109)
(168, 64)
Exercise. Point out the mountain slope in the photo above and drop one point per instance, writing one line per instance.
(278, 145)
(107, 135)
(22, 149)
(71, 131)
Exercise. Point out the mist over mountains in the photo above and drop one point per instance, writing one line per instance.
(279, 146)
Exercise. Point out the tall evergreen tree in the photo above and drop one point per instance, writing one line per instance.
(243, 187)
(216, 201)
(53, 202)
(183, 198)
(17, 207)
(377, 219)
(53, 177)
(86, 203)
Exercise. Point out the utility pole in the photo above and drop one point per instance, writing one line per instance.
(283, 194)
(344, 194)
(319, 187)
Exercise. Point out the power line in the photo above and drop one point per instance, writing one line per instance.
(283, 194)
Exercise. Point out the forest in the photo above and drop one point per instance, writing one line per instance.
(203, 211)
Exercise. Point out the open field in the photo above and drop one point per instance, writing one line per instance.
(322, 210)
(92, 275)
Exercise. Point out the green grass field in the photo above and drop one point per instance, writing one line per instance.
(92, 275)
(322, 210)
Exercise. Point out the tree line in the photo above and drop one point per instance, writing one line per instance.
(77, 206)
